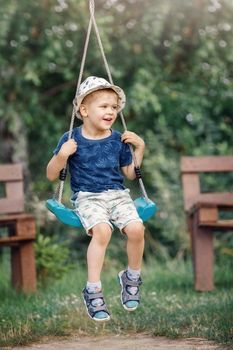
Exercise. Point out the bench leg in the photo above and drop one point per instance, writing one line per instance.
(23, 264)
(23, 267)
(203, 256)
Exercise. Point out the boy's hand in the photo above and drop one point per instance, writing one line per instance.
(134, 139)
(69, 147)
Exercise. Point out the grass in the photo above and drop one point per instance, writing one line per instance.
(170, 307)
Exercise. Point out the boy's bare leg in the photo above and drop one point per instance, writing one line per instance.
(92, 293)
(135, 244)
(130, 278)
(101, 234)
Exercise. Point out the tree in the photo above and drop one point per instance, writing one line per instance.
(174, 60)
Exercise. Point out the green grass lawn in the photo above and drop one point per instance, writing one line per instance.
(170, 307)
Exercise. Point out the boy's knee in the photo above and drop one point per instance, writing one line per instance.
(102, 233)
(135, 231)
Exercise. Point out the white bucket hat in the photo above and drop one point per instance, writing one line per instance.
(92, 84)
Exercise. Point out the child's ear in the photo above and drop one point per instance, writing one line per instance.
(83, 110)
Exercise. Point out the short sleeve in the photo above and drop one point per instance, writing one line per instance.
(62, 140)
(125, 155)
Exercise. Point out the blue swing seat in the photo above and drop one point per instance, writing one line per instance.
(146, 209)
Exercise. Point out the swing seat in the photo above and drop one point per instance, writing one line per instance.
(66, 215)
(146, 209)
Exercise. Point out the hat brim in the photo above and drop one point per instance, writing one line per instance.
(120, 93)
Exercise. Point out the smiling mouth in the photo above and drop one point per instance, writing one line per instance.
(108, 119)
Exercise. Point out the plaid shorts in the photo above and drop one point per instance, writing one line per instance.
(114, 207)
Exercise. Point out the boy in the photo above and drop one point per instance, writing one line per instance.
(97, 156)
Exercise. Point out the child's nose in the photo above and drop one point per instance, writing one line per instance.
(110, 110)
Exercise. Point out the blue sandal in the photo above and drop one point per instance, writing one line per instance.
(98, 312)
(129, 301)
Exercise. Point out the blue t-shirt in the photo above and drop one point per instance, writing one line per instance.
(95, 166)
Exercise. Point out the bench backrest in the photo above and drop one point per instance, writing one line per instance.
(11, 176)
(191, 167)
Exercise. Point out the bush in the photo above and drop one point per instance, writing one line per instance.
(52, 258)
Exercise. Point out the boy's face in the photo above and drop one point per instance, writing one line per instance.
(99, 109)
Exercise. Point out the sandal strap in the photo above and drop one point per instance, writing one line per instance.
(131, 283)
(131, 297)
(92, 296)
(94, 309)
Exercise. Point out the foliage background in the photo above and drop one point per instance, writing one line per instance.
(174, 60)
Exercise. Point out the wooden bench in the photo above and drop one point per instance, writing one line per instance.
(21, 230)
(203, 211)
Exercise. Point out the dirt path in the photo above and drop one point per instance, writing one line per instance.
(137, 342)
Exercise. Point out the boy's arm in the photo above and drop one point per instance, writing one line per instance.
(58, 162)
(139, 144)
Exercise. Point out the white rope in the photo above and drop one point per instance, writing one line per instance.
(104, 56)
(91, 5)
(93, 21)
(62, 182)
